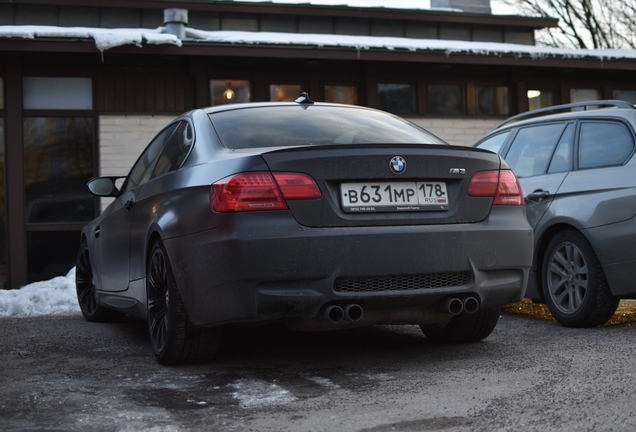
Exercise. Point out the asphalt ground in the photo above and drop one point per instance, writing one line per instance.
(65, 374)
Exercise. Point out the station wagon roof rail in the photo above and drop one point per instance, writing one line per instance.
(581, 105)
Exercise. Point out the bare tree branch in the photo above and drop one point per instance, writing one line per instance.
(584, 23)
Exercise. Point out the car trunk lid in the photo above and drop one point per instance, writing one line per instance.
(428, 165)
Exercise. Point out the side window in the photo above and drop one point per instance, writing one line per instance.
(143, 168)
(562, 159)
(603, 144)
(494, 143)
(175, 150)
(531, 149)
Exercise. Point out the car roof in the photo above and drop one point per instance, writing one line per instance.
(231, 107)
(628, 114)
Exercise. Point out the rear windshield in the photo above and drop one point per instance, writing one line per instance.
(276, 126)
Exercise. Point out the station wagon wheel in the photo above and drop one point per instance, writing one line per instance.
(574, 285)
(173, 338)
(86, 291)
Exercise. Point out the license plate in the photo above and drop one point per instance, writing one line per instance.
(393, 196)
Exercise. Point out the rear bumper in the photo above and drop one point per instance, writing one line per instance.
(263, 266)
(614, 246)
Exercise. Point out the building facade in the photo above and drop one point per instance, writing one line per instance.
(78, 100)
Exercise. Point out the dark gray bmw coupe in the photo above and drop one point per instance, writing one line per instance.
(321, 216)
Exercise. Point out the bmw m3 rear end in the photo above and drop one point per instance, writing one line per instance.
(326, 217)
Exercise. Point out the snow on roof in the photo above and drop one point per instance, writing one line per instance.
(104, 38)
(53, 297)
(110, 38)
(389, 4)
(393, 43)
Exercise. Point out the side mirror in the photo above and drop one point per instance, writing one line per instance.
(104, 186)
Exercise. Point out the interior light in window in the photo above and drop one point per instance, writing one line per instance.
(533, 94)
(228, 94)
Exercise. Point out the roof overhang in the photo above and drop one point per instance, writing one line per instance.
(338, 47)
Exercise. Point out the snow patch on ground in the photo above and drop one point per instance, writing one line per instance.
(257, 393)
(53, 297)
(325, 382)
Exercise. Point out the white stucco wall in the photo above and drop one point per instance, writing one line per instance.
(464, 132)
(122, 138)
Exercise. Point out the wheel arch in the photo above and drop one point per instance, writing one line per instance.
(542, 244)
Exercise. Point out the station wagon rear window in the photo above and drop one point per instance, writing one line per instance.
(277, 126)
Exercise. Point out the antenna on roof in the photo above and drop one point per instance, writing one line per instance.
(304, 99)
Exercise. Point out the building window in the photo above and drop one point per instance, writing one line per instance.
(540, 99)
(284, 92)
(341, 94)
(58, 162)
(446, 99)
(492, 100)
(583, 95)
(397, 98)
(1, 93)
(625, 95)
(58, 93)
(223, 92)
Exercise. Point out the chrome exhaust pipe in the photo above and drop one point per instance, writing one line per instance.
(453, 306)
(333, 314)
(471, 305)
(353, 312)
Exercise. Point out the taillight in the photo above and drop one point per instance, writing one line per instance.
(509, 190)
(296, 186)
(246, 192)
(483, 184)
(261, 191)
(502, 185)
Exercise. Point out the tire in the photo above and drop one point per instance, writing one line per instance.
(85, 287)
(173, 338)
(574, 285)
(463, 328)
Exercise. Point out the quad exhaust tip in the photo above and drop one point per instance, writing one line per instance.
(353, 312)
(471, 305)
(333, 314)
(453, 306)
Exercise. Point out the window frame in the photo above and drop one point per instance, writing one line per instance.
(511, 140)
(187, 156)
(624, 123)
(141, 155)
(446, 83)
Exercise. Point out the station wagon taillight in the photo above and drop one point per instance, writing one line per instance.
(251, 191)
(503, 185)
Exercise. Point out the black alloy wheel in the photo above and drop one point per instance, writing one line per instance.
(574, 284)
(463, 328)
(85, 287)
(173, 338)
(158, 300)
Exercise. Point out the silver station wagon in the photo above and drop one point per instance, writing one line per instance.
(578, 174)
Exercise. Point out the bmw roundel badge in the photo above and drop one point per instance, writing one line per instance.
(397, 165)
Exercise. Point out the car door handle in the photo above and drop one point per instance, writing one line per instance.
(538, 195)
(129, 204)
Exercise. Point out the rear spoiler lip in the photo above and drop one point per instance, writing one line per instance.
(396, 147)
